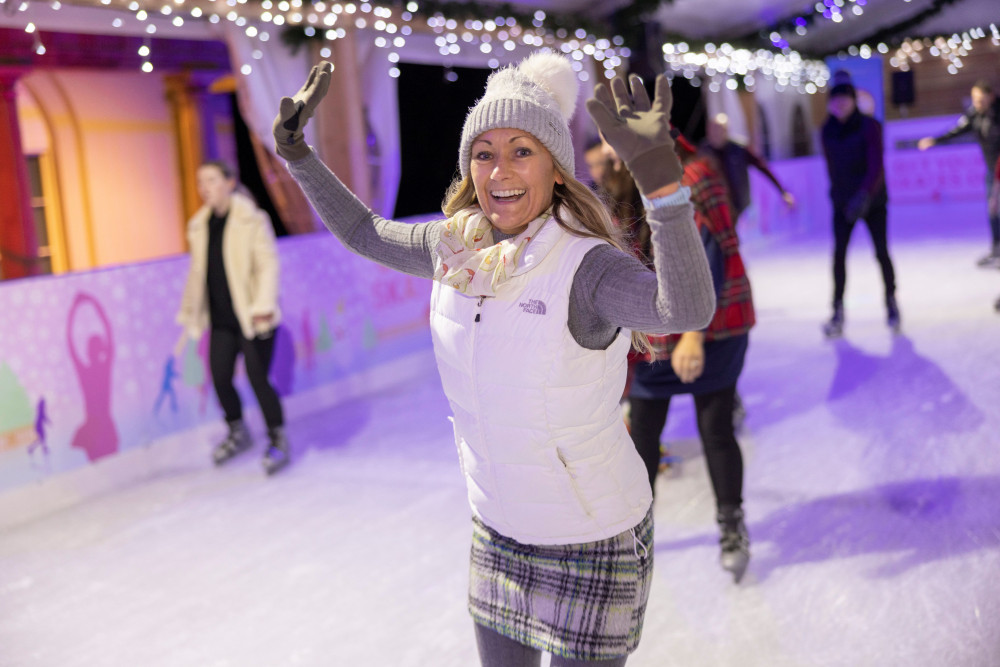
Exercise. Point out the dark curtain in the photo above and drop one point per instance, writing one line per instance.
(433, 103)
(249, 171)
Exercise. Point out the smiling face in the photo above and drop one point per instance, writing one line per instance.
(215, 188)
(514, 176)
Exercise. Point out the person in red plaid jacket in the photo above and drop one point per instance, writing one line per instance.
(706, 364)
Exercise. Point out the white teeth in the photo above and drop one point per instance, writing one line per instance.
(508, 193)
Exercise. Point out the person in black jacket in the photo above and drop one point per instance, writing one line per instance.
(852, 144)
(735, 160)
(982, 119)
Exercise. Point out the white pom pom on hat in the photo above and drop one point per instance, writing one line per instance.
(555, 74)
(537, 96)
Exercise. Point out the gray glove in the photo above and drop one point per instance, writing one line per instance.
(295, 111)
(638, 131)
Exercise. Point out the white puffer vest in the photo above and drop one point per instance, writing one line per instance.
(539, 430)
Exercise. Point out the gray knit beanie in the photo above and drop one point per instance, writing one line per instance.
(537, 96)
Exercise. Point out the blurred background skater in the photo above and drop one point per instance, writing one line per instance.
(994, 209)
(598, 162)
(616, 187)
(734, 161)
(627, 210)
(533, 306)
(706, 364)
(982, 119)
(852, 146)
(625, 204)
(232, 290)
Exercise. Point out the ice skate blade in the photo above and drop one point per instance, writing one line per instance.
(221, 458)
(735, 563)
(271, 466)
(988, 262)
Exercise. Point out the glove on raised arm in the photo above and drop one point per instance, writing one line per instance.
(638, 131)
(295, 111)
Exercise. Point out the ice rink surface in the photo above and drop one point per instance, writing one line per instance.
(872, 496)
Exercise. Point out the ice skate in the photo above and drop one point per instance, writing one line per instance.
(238, 440)
(734, 542)
(892, 315)
(990, 260)
(996, 305)
(835, 327)
(277, 455)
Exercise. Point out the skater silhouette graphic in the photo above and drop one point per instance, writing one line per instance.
(41, 419)
(97, 436)
(167, 387)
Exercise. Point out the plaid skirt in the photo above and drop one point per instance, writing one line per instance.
(581, 601)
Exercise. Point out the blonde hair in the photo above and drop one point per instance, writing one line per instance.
(572, 197)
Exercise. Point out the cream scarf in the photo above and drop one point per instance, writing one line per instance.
(470, 261)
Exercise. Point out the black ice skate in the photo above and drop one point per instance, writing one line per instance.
(277, 455)
(990, 260)
(892, 314)
(238, 440)
(835, 327)
(734, 542)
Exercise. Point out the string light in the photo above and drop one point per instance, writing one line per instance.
(490, 36)
(725, 64)
(144, 50)
(949, 49)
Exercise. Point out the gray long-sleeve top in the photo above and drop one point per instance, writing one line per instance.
(611, 289)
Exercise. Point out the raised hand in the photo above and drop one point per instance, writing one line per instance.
(295, 111)
(638, 130)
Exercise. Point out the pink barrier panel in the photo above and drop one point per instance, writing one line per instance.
(87, 365)
(942, 175)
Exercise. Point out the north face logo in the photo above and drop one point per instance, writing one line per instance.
(533, 306)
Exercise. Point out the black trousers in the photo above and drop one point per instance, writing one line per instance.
(223, 348)
(877, 227)
(714, 413)
(994, 219)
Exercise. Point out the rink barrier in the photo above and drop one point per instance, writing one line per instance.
(91, 369)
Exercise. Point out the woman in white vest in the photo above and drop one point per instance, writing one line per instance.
(532, 313)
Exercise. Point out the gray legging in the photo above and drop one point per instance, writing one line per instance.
(495, 650)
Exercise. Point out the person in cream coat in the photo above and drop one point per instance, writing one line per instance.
(232, 291)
